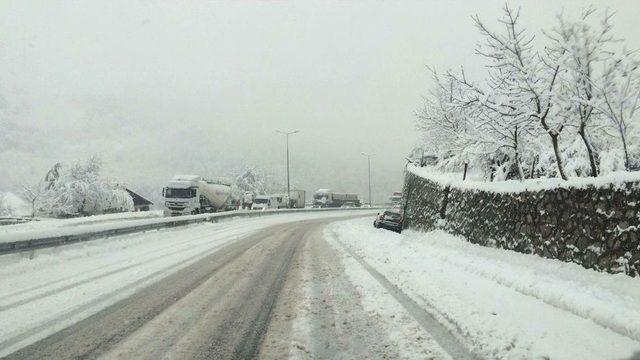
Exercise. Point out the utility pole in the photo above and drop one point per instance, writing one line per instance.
(369, 171)
(287, 133)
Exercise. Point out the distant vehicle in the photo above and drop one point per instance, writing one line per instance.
(297, 199)
(191, 194)
(280, 201)
(264, 202)
(261, 202)
(396, 198)
(247, 200)
(391, 219)
(324, 198)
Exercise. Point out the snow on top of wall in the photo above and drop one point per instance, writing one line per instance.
(514, 186)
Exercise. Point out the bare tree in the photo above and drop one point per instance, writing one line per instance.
(522, 77)
(576, 88)
(499, 121)
(32, 194)
(620, 91)
(580, 49)
(447, 126)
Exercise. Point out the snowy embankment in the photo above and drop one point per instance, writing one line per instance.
(62, 285)
(502, 304)
(51, 223)
(77, 226)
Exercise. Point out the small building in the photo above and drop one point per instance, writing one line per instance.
(139, 202)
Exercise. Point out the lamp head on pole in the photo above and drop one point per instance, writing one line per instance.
(288, 132)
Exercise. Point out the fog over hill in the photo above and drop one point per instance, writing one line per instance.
(159, 88)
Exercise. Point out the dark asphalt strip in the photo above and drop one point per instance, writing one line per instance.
(249, 347)
(241, 330)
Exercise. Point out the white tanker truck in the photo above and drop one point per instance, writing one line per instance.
(191, 194)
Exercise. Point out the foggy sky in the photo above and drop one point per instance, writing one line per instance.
(158, 88)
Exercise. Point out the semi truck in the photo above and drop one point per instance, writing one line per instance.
(325, 198)
(192, 194)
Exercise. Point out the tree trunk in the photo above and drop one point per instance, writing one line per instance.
(626, 151)
(590, 152)
(556, 151)
(517, 155)
(532, 168)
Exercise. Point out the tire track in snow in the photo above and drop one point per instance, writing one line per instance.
(110, 273)
(438, 331)
(106, 266)
(33, 332)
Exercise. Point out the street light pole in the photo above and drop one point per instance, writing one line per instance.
(287, 133)
(369, 172)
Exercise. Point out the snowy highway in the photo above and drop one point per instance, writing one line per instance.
(307, 286)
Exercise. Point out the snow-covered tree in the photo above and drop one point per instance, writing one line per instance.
(33, 194)
(255, 181)
(581, 50)
(447, 129)
(523, 81)
(570, 110)
(619, 89)
(81, 190)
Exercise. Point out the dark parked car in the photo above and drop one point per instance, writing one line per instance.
(390, 219)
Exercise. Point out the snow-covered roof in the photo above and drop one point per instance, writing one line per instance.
(186, 178)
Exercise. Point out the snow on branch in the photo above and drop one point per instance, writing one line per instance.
(564, 105)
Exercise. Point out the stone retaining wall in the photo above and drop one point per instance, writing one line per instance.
(594, 226)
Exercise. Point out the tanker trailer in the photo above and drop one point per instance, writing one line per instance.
(191, 194)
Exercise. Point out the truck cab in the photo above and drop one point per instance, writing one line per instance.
(181, 197)
(261, 202)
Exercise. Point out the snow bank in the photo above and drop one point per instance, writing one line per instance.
(76, 226)
(60, 227)
(513, 186)
(40, 222)
(503, 304)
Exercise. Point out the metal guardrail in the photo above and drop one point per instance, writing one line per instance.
(53, 241)
(12, 220)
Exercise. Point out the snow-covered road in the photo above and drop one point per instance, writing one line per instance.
(63, 285)
(308, 286)
(499, 303)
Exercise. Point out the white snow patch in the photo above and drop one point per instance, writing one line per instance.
(505, 304)
(514, 186)
(407, 336)
(15, 205)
